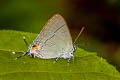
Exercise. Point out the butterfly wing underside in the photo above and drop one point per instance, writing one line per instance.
(55, 38)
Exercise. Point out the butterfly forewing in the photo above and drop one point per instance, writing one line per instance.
(55, 38)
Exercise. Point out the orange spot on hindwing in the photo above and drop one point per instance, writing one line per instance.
(35, 46)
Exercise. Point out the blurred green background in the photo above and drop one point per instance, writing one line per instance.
(101, 19)
(28, 15)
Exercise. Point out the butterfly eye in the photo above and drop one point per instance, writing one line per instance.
(35, 46)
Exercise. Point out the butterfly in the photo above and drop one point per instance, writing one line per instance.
(54, 41)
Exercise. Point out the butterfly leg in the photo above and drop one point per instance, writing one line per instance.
(57, 58)
(68, 61)
(24, 53)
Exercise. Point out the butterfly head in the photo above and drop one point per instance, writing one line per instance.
(34, 51)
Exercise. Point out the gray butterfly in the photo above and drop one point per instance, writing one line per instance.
(54, 41)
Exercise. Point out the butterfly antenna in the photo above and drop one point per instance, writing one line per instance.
(24, 38)
(78, 35)
(24, 53)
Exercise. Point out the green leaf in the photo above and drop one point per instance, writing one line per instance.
(86, 66)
